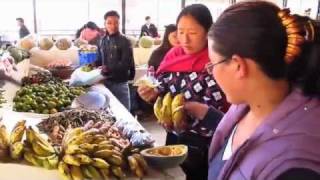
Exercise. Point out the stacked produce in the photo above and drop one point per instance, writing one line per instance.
(56, 124)
(169, 111)
(96, 151)
(40, 78)
(39, 152)
(45, 43)
(47, 98)
(2, 99)
(63, 44)
(18, 54)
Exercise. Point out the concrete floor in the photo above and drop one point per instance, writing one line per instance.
(149, 122)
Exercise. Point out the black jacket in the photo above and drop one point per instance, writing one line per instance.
(115, 54)
(23, 31)
(151, 31)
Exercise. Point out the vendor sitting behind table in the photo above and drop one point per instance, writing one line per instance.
(116, 58)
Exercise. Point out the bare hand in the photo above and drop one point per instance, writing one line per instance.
(148, 94)
(196, 109)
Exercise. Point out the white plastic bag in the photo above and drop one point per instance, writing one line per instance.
(81, 78)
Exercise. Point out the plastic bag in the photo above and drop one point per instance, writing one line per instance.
(81, 78)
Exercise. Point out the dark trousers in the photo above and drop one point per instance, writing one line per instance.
(120, 91)
(196, 165)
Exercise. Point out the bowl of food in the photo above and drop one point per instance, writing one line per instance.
(164, 157)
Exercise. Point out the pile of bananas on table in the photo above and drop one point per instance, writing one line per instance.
(35, 149)
(169, 111)
(94, 151)
(88, 153)
(2, 100)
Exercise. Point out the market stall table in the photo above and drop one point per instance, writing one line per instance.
(14, 171)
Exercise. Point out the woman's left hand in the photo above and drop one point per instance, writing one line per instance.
(196, 109)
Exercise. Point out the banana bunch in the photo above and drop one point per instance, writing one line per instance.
(11, 145)
(169, 111)
(137, 165)
(38, 151)
(88, 154)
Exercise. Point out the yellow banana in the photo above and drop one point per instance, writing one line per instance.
(84, 159)
(157, 109)
(30, 134)
(132, 163)
(76, 173)
(101, 147)
(103, 153)
(30, 157)
(53, 162)
(69, 159)
(64, 171)
(16, 150)
(141, 161)
(99, 138)
(88, 147)
(74, 149)
(4, 137)
(45, 164)
(115, 160)
(117, 171)
(94, 172)
(71, 134)
(166, 109)
(100, 163)
(18, 131)
(105, 173)
(139, 172)
(178, 115)
(41, 149)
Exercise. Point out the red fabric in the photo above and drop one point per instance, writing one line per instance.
(177, 61)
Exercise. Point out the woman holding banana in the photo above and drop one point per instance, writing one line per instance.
(186, 88)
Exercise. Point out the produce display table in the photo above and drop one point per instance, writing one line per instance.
(13, 171)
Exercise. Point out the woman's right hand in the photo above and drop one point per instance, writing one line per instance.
(147, 93)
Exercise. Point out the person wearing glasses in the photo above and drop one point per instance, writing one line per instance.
(183, 71)
(267, 62)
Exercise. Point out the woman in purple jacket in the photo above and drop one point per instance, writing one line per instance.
(267, 62)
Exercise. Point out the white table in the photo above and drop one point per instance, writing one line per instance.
(12, 171)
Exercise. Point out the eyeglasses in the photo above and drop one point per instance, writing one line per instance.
(209, 66)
